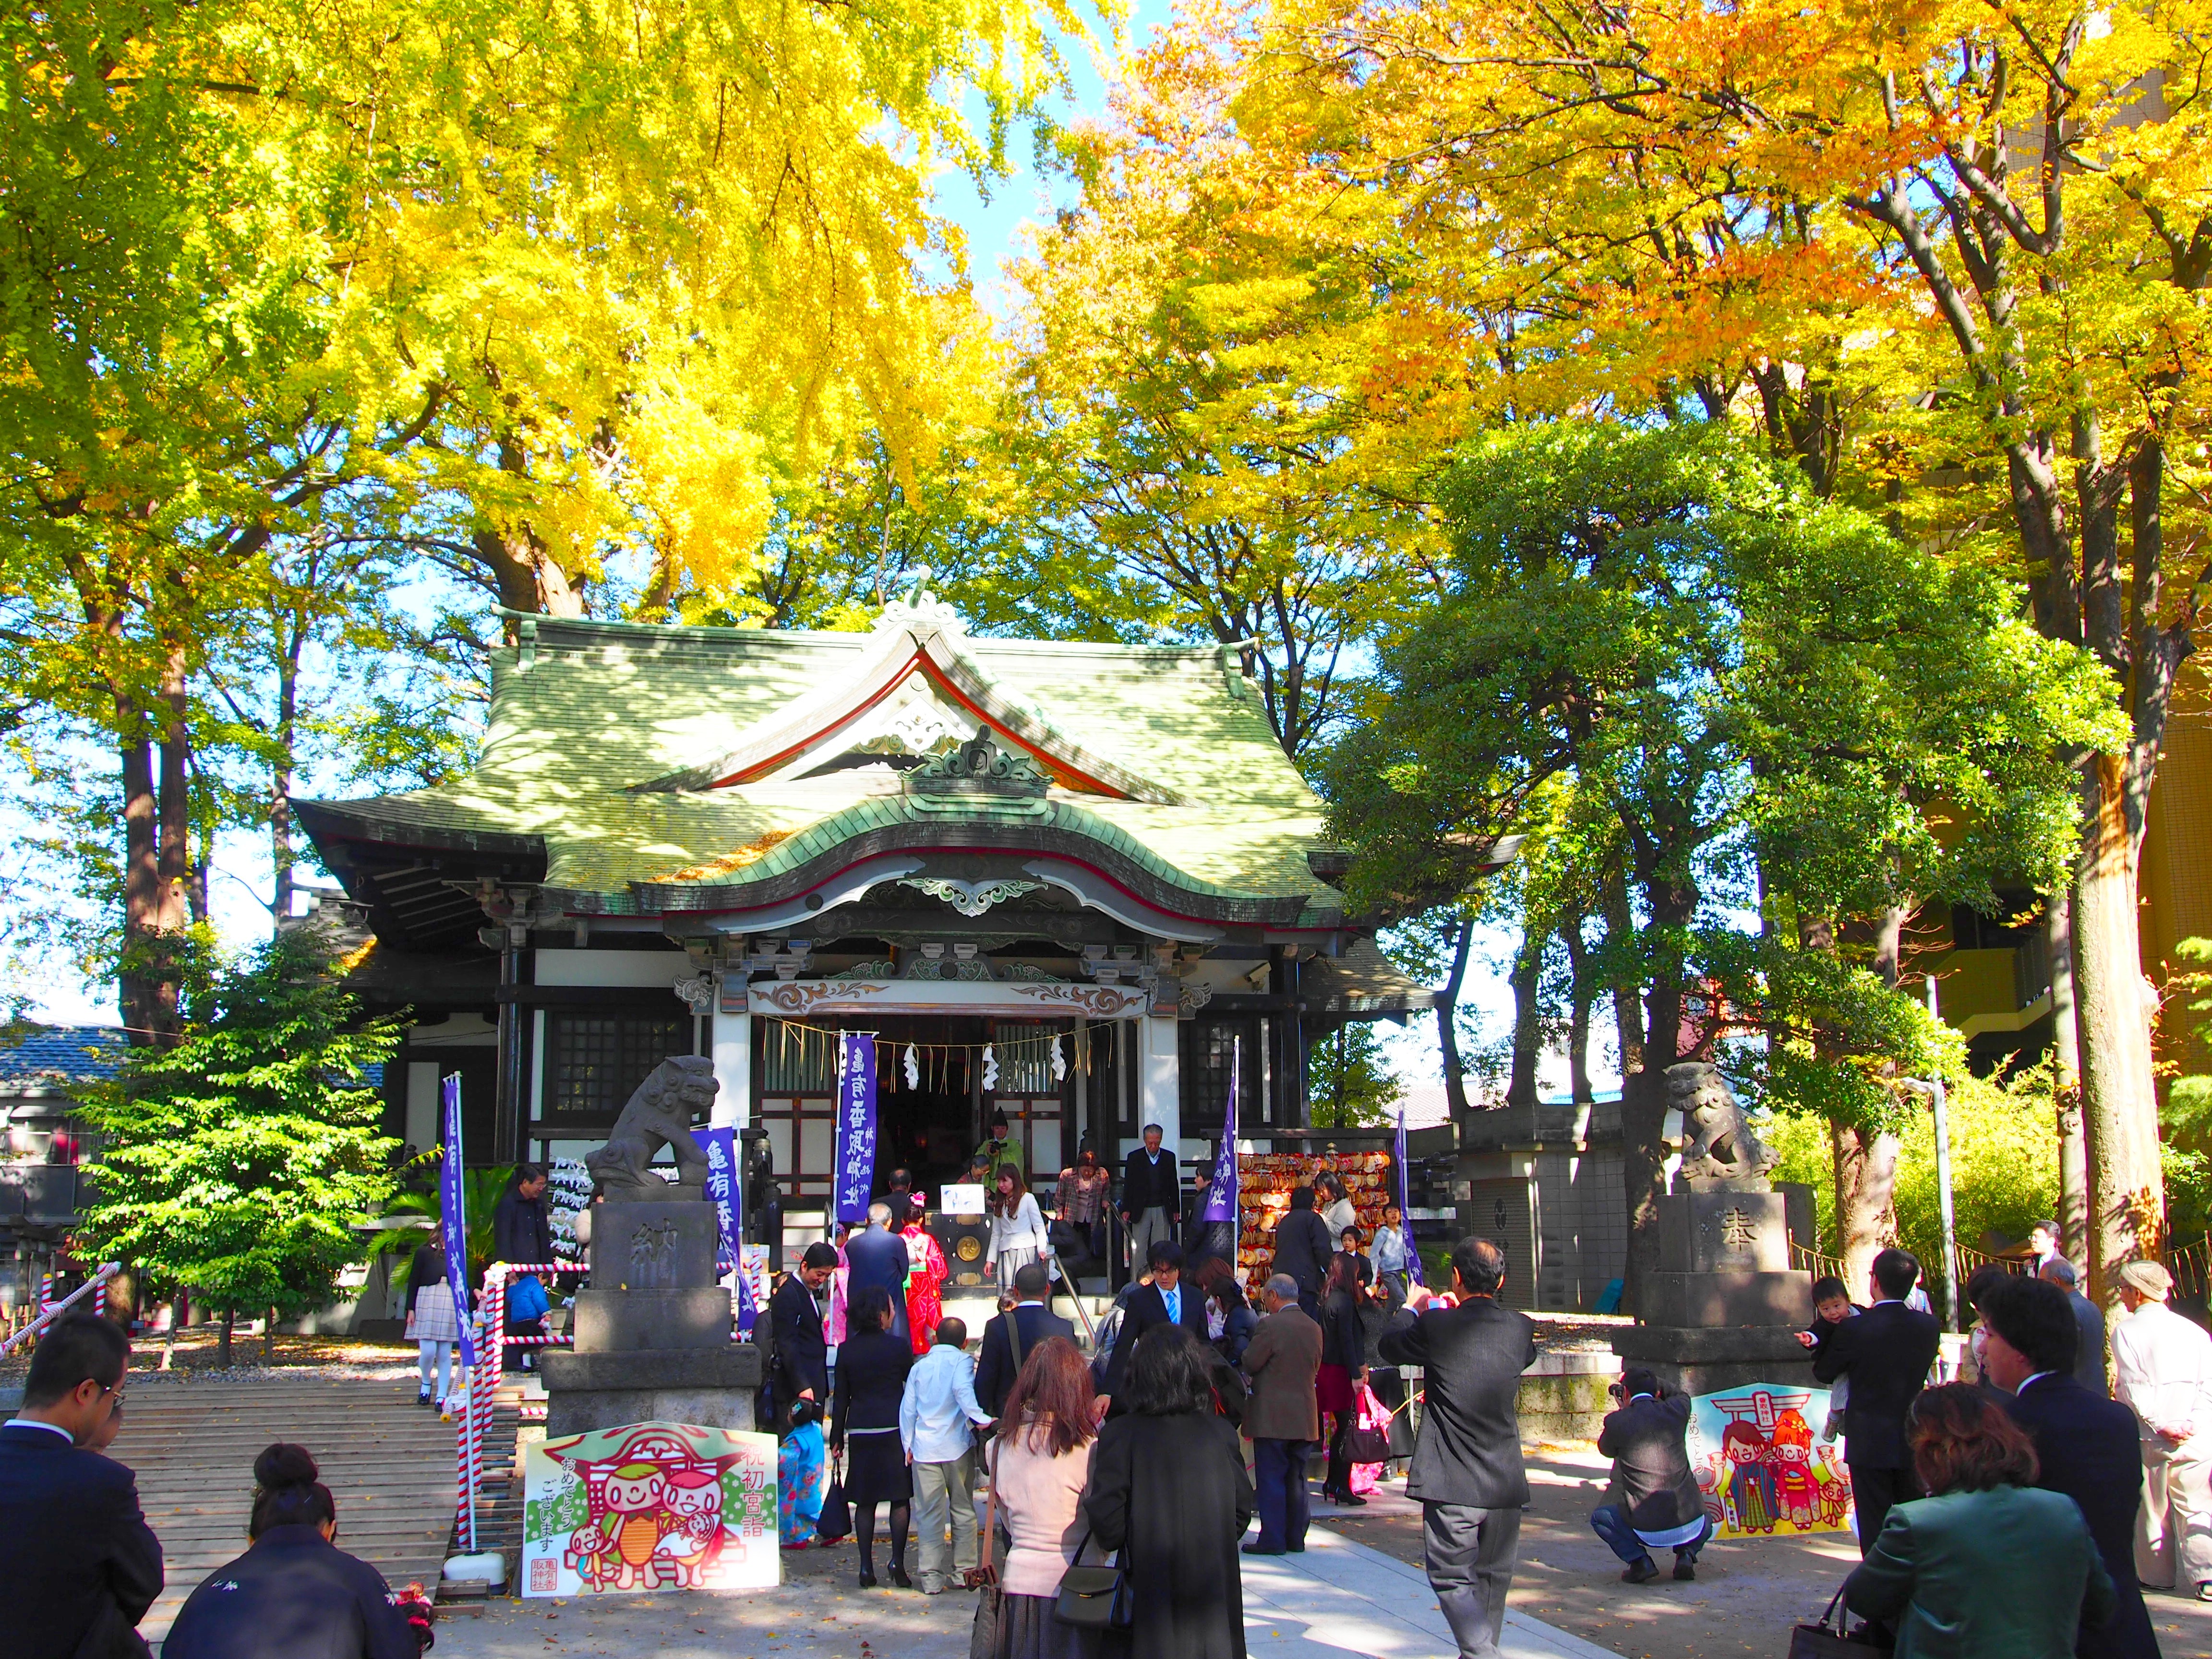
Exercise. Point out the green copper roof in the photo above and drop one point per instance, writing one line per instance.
(586, 717)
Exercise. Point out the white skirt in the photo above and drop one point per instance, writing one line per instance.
(433, 1314)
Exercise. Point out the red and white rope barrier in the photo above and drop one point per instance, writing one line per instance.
(482, 1383)
(50, 1309)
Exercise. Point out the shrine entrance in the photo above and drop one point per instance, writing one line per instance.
(939, 1081)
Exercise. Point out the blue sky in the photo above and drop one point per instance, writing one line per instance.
(993, 224)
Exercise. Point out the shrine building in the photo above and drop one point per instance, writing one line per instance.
(1058, 881)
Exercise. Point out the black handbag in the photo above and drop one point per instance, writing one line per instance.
(1094, 1598)
(835, 1521)
(1818, 1641)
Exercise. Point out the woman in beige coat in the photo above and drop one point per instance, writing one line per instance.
(1040, 1463)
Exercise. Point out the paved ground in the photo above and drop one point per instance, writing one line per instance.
(1338, 1600)
(1746, 1597)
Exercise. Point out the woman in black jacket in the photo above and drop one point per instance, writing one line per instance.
(293, 1594)
(1343, 1366)
(872, 1368)
(1168, 1488)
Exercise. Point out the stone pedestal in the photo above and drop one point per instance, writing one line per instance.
(652, 1327)
(1724, 1307)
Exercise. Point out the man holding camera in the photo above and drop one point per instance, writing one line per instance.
(1653, 1501)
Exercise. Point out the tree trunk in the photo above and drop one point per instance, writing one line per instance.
(1642, 1144)
(2073, 1217)
(222, 1351)
(156, 860)
(1525, 977)
(138, 982)
(1627, 1019)
(1580, 995)
(1866, 1199)
(269, 1336)
(2119, 1107)
(1447, 1014)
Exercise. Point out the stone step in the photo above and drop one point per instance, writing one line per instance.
(388, 1462)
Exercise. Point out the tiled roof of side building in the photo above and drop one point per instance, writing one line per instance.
(68, 1054)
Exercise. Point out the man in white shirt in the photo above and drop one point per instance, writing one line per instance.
(936, 1415)
(2163, 1369)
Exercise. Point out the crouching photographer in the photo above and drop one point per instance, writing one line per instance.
(1653, 1501)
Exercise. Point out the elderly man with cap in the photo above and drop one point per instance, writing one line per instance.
(2164, 1365)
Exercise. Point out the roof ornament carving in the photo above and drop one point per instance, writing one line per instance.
(918, 611)
(971, 898)
(978, 766)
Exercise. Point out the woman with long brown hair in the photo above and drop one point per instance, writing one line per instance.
(1985, 1563)
(1017, 1236)
(1039, 1462)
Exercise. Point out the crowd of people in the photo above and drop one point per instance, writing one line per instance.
(2021, 1510)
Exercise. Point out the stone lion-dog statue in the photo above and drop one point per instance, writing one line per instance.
(660, 1113)
(1717, 1142)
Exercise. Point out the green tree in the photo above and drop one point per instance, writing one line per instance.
(1773, 701)
(1346, 1079)
(235, 1161)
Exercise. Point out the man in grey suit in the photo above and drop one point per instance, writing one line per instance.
(2088, 1325)
(1467, 1470)
(1281, 1419)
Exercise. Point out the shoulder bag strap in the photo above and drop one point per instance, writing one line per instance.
(1833, 1611)
(991, 1508)
(1014, 1336)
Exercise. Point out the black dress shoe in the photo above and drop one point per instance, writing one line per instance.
(1685, 1571)
(1643, 1572)
(867, 1581)
(1253, 1549)
(1351, 1500)
(900, 1580)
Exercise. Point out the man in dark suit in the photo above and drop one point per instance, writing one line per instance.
(84, 1563)
(1166, 1300)
(1467, 1470)
(1653, 1501)
(2085, 1446)
(1152, 1195)
(2088, 1365)
(802, 1348)
(1885, 1351)
(877, 1260)
(2043, 1247)
(1282, 1417)
(1302, 1247)
(1033, 1321)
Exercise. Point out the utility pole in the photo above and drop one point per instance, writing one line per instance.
(1943, 1186)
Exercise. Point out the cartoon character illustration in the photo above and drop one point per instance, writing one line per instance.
(1796, 1494)
(616, 1550)
(688, 1549)
(1709, 1480)
(1835, 1488)
(1751, 1486)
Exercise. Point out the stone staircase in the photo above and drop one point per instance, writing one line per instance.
(387, 1461)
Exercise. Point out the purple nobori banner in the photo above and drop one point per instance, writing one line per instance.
(1404, 1212)
(727, 1194)
(853, 1174)
(1221, 1197)
(452, 1219)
